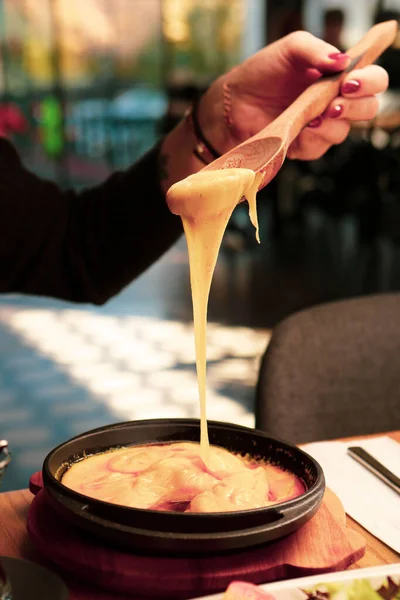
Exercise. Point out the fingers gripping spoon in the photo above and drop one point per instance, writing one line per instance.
(265, 152)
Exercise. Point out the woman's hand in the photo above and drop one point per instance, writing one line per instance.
(263, 86)
(260, 89)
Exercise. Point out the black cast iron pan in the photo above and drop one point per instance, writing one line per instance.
(183, 533)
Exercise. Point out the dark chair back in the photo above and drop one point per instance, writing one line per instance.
(333, 371)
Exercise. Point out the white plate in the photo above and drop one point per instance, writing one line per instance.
(291, 589)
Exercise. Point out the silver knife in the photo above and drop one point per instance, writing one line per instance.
(373, 465)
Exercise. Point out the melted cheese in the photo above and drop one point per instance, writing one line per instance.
(205, 202)
(186, 477)
(174, 477)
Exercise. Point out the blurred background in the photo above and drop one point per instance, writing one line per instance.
(86, 87)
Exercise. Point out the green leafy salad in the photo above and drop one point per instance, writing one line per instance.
(360, 589)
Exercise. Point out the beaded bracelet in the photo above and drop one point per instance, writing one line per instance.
(204, 151)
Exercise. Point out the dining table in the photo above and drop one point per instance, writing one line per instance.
(15, 542)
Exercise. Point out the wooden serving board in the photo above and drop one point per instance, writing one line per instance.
(324, 544)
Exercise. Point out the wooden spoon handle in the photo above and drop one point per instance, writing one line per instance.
(316, 98)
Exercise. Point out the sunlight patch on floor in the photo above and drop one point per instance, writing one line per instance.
(141, 367)
(64, 372)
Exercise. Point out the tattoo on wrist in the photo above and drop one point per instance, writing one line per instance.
(227, 94)
(163, 167)
(227, 100)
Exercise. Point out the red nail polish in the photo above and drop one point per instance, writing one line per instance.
(338, 56)
(335, 111)
(351, 86)
(315, 122)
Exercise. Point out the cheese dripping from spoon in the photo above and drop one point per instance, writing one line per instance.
(205, 202)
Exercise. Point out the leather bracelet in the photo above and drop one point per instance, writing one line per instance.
(204, 151)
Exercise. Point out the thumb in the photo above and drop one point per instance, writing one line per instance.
(305, 51)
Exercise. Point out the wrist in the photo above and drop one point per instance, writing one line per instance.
(176, 158)
(199, 138)
(214, 117)
(203, 149)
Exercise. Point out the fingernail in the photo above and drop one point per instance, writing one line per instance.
(315, 122)
(351, 86)
(335, 111)
(338, 56)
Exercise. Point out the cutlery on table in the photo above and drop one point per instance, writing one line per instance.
(375, 467)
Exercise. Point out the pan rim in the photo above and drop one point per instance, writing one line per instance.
(287, 504)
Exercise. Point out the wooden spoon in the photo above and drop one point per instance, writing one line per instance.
(265, 152)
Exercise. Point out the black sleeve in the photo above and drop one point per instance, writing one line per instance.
(83, 247)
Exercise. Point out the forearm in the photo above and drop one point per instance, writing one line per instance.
(82, 247)
(86, 247)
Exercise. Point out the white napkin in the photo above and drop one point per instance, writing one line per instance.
(365, 498)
